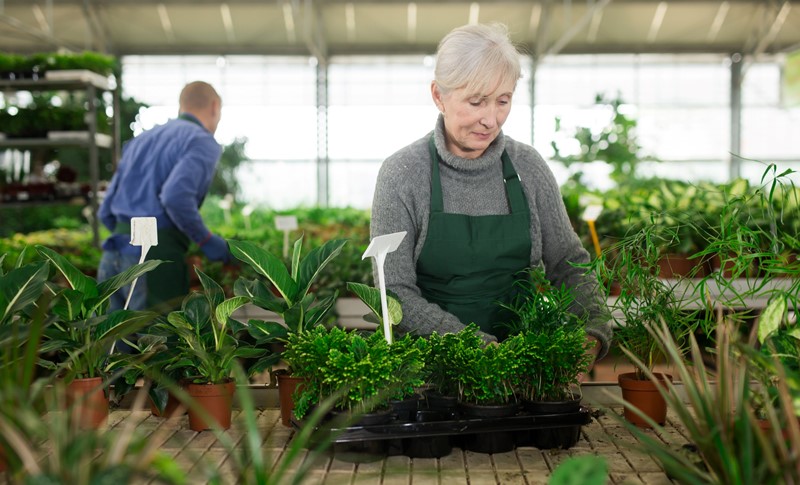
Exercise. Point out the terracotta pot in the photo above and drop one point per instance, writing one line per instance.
(677, 265)
(766, 426)
(288, 387)
(87, 402)
(216, 400)
(727, 267)
(643, 395)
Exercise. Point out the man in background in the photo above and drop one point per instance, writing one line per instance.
(165, 173)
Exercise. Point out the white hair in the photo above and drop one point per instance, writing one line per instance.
(476, 57)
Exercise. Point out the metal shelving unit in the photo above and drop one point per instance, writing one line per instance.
(91, 140)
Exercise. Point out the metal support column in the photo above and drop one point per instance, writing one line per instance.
(532, 87)
(734, 163)
(94, 161)
(322, 133)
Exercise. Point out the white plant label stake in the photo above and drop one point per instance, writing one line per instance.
(144, 233)
(590, 215)
(286, 224)
(378, 248)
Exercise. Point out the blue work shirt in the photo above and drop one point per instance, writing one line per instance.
(164, 173)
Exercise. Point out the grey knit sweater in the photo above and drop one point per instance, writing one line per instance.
(475, 187)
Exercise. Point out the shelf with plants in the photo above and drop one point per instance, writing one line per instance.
(76, 120)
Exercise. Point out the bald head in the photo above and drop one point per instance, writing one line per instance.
(201, 100)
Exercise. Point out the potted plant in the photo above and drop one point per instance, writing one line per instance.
(208, 344)
(286, 291)
(777, 359)
(81, 333)
(363, 373)
(485, 379)
(645, 301)
(550, 342)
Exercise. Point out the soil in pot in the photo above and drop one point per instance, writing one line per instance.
(493, 442)
(563, 437)
(87, 402)
(288, 387)
(217, 402)
(428, 446)
(366, 450)
(644, 395)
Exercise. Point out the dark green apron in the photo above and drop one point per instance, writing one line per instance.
(168, 284)
(468, 264)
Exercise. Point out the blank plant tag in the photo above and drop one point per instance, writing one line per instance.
(378, 248)
(144, 233)
(286, 224)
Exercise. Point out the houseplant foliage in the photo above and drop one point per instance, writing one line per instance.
(295, 301)
(645, 299)
(208, 339)
(365, 371)
(82, 331)
(208, 344)
(720, 420)
(548, 338)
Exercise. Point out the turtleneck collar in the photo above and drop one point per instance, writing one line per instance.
(489, 158)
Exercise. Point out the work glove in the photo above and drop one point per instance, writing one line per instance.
(216, 249)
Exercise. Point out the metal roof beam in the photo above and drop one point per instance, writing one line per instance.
(38, 34)
(567, 37)
(97, 28)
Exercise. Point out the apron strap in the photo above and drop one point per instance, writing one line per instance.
(514, 193)
(437, 203)
(516, 197)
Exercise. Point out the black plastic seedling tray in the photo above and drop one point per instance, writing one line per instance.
(453, 427)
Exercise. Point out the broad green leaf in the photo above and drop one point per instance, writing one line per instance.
(771, 318)
(266, 332)
(318, 312)
(107, 288)
(69, 305)
(260, 295)
(266, 362)
(295, 318)
(75, 279)
(317, 259)
(296, 250)
(266, 265)
(197, 310)
(21, 287)
(372, 298)
(179, 320)
(248, 352)
(213, 290)
(121, 323)
(225, 309)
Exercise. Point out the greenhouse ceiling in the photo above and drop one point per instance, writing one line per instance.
(325, 28)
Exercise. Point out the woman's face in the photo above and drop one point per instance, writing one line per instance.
(472, 121)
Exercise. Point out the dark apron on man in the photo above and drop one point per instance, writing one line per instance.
(468, 264)
(168, 283)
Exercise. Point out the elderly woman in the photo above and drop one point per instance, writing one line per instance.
(478, 207)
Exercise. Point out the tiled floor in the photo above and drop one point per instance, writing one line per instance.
(603, 437)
